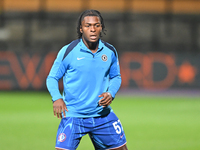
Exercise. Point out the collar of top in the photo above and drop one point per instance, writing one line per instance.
(84, 47)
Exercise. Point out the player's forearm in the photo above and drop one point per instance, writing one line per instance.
(114, 85)
(53, 88)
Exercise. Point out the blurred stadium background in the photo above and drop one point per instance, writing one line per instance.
(158, 42)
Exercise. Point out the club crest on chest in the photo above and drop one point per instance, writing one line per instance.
(104, 57)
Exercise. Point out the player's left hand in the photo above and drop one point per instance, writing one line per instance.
(106, 100)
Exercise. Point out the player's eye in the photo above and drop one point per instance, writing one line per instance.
(97, 25)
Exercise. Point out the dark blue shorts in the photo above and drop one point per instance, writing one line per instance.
(105, 132)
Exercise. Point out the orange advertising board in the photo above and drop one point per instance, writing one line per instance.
(139, 70)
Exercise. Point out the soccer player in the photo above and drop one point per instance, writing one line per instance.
(91, 78)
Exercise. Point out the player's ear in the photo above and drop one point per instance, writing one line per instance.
(81, 30)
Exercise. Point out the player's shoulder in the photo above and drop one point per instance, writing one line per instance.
(110, 47)
(71, 45)
(65, 50)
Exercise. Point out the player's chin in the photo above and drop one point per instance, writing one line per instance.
(94, 39)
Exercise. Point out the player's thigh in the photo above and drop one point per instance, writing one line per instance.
(124, 147)
(108, 133)
(68, 136)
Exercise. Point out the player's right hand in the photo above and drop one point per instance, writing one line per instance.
(59, 106)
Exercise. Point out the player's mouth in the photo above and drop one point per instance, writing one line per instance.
(93, 37)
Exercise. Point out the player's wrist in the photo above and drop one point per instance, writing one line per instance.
(110, 95)
(57, 100)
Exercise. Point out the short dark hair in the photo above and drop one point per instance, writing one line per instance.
(89, 12)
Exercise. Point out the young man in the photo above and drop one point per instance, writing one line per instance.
(91, 78)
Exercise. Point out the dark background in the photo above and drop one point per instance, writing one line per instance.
(161, 36)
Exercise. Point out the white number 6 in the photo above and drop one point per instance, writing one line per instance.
(117, 127)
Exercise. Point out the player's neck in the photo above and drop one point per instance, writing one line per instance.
(93, 46)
